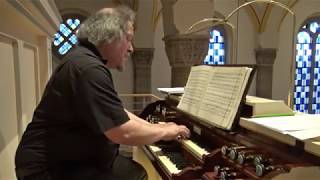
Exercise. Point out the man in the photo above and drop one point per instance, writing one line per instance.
(79, 122)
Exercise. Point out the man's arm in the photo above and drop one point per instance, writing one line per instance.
(134, 117)
(136, 131)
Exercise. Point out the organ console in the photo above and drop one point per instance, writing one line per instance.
(212, 153)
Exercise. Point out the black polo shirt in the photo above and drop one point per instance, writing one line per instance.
(67, 130)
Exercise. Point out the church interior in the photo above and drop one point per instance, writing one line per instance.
(280, 37)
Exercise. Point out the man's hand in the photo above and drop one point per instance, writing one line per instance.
(174, 131)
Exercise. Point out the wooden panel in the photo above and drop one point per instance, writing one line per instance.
(28, 64)
(8, 107)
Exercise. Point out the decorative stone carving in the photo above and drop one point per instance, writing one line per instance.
(265, 58)
(142, 59)
(184, 51)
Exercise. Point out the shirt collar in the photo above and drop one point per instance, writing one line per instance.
(85, 43)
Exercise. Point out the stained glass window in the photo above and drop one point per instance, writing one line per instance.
(307, 75)
(65, 38)
(216, 52)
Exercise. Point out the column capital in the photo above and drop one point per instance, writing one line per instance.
(142, 57)
(186, 50)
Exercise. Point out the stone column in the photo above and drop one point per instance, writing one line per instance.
(142, 60)
(169, 27)
(184, 51)
(265, 59)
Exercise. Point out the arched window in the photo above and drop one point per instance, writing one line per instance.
(66, 38)
(307, 76)
(216, 51)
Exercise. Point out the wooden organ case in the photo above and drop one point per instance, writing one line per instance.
(213, 153)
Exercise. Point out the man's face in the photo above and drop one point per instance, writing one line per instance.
(118, 51)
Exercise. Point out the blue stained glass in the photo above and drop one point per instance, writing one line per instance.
(313, 27)
(317, 55)
(303, 56)
(304, 37)
(216, 52)
(73, 39)
(65, 30)
(305, 69)
(217, 36)
(303, 73)
(318, 39)
(316, 84)
(58, 39)
(65, 39)
(73, 23)
(65, 48)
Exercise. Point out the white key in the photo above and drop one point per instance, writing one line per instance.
(194, 148)
(168, 164)
(154, 149)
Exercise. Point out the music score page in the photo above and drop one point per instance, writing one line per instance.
(213, 94)
(193, 91)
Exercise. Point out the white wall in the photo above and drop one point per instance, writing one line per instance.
(188, 12)
(245, 42)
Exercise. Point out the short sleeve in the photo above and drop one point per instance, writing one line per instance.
(96, 101)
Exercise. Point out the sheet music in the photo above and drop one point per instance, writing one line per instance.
(197, 82)
(214, 93)
(223, 95)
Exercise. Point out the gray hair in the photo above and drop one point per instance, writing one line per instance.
(106, 25)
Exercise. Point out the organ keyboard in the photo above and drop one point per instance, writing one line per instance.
(197, 150)
(212, 153)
